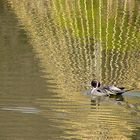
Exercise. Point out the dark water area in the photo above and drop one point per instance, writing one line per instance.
(46, 68)
(21, 85)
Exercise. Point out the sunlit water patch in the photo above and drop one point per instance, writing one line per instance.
(50, 51)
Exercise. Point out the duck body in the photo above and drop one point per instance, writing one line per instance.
(99, 92)
(106, 90)
(115, 90)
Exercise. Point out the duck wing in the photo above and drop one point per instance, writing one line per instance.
(121, 91)
(112, 90)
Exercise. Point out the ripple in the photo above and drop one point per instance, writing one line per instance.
(31, 110)
(73, 42)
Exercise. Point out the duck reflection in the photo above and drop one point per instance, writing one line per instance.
(119, 100)
(97, 100)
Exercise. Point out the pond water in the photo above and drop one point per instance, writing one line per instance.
(49, 53)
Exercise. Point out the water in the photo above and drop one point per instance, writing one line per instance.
(49, 53)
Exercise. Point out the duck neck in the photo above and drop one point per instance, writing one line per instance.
(93, 89)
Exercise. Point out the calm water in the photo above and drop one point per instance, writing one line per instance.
(50, 51)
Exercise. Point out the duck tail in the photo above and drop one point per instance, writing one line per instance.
(121, 88)
(129, 90)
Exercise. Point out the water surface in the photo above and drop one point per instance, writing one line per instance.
(50, 51)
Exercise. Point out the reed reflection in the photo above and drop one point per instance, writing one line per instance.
(69, 38)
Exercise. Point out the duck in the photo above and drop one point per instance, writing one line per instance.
(97, 90)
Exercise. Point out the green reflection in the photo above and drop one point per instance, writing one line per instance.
(97, 39)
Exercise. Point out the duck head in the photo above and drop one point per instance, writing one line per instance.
(95, 84)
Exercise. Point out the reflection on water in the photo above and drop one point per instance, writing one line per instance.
(21, 109)
(50, 51)
(97, 39)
